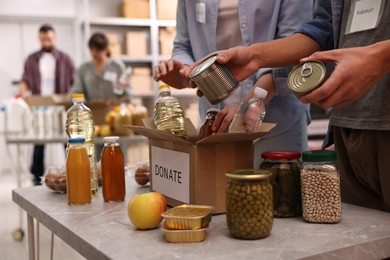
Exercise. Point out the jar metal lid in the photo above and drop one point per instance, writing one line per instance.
(319, 156)
(111, 139)
(281, 155)
(248, 174)
(306, 77)
(76, 140)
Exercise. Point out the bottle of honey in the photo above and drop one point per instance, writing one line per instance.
(78, 173)
(113, 170)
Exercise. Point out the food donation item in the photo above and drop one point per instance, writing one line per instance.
(250, 113)
(320, 186)
(55, 179)
(286, 182)
(78, 173)
(144, 210)
(186, 223)
(142, 173)
(205, 129)
(113, 170)
(249, 203)
(80, 124)
(214, 80)
(168, 114)
(306, 77)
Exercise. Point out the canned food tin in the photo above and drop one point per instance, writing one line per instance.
(306, 77)
(214, 80)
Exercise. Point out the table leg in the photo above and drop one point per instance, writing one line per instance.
(30, 233)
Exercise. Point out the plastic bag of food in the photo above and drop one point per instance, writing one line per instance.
(55, 179)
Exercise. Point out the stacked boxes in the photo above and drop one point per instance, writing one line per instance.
(136, 43)
(114, 44)
(166, 9)
(166, 37)
(135, 9)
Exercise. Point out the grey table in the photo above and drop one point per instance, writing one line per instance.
(20, 139)
(103, 231)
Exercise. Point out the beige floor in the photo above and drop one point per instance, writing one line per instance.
(11, 249)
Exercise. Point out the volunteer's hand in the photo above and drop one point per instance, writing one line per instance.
(224, 118)
(169, 72)
(356, 71)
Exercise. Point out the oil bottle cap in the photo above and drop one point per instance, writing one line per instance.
(76, 140)
(78, 97)
(164, 88)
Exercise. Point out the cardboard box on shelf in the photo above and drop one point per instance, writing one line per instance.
(136, 43)
(141, 81)
(166, 9)
(134, 9)
(193, 171)
(166, 37)
(114, 44)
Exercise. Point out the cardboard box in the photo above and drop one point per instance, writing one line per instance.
(194, 171)
(114, 44)
(137, 43)
(166, 9)
(166, 38)
(134, 9)
(141, 81)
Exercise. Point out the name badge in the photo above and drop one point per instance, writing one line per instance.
(201, 12)
(364, 15)
(110, 76)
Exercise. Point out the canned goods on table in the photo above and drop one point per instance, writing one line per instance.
(286, 185)
(214, 80)
(320, 184)
(249, 203)
(306, 77)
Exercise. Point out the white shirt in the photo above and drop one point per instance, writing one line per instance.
(47, 66)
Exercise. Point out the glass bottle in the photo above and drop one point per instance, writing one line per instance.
(320, 187)
(250, 113)
(249, 203)
(79, 123)
(168, 114)
(113, 170)
(286, 185)
(78, 173)
(206, 130)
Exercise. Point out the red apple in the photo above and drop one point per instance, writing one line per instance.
(144, 210)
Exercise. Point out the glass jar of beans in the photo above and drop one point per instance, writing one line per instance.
(320, 187)
(249, 203)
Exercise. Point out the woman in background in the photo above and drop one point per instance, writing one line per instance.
(97, 78)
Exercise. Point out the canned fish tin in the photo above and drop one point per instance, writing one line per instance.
(214, 80)
(306, 77)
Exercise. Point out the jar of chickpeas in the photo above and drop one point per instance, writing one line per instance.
(320, 187)
(249, 210)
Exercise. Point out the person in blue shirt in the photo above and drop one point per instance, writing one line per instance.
(355, 36)
(206, 26)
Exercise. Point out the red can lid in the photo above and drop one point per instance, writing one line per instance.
(281, 154)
